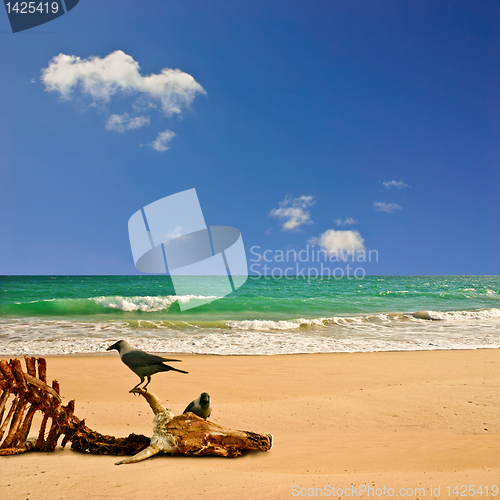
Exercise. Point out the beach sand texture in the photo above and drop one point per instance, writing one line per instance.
(395, 419)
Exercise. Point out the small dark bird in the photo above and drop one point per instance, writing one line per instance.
(200, 406)
(142, 363)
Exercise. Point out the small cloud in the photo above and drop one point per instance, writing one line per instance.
(348, 221)
(33, 80)
(160, 143)
(120, 123)
(382, 206)
(394, 184)
(177, 234)
(293, 211)
(335, 241)
(138, 122)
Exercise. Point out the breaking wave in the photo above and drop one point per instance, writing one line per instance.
(95, 305)
(146, 304)
(391, 318)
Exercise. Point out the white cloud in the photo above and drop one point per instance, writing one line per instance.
(168, 92)
(175, 233)
(335, 242)
(120, 123)
(101, 78)
(382, 206)
(160, 143)
(293, 211)
(348, 221)
(138, 122)
(396, 184)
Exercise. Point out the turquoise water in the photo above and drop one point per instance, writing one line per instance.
(63, 314)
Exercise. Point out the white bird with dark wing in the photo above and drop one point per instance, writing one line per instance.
(142, 363)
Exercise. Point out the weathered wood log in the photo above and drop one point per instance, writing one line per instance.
(189, 434)
(185, 434)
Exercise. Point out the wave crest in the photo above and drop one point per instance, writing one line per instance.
(147, 303)
(392, 318)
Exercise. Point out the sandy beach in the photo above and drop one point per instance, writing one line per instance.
(426, 419)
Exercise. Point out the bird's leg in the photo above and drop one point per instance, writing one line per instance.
(133, 388)
(149, 380)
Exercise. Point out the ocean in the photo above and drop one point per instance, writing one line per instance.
(50, 315)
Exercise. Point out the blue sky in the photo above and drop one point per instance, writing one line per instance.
(305, 109)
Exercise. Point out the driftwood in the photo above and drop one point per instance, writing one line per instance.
(29, 393)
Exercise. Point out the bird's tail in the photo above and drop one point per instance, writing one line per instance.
(180, 371)
(167, 368)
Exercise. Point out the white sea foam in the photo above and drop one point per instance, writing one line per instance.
(466, 315)
(146, 304)
(252, 343)
(375, 332)
(365, 320)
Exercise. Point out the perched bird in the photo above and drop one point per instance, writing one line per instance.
(142, 363)
(200, 406)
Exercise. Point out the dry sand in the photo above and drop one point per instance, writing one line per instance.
(398, 419)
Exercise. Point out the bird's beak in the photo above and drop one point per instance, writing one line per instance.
(111, 347)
